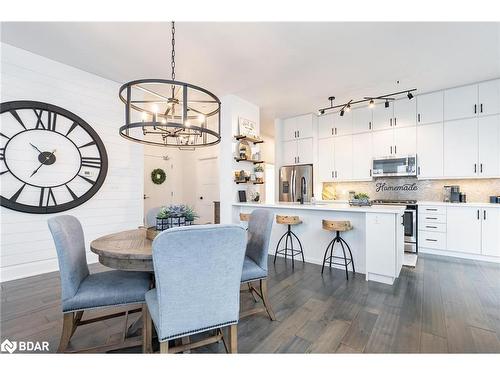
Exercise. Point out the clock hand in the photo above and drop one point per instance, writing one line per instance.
(47, 158)
(36, 148)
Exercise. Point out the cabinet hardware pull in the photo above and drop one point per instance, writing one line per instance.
(481, 167)
(395, 152)
(431, 218)
(335, 130)
(481, 108)
(431, 226)
(394, 121)
(369, 125)
(475, 108)
(298, 159)
(391, 150)
(390, 121)
(478, 214)
(484, 214)
(418, 117)
(298, 133)
(431, 209)
(430, 239)
(332, 131)
(418, 170)
(370, 172)
(475, 168)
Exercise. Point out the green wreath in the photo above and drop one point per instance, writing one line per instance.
(158, 176)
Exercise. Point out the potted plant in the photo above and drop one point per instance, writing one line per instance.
(175, 216)
(360, 199)
(259, 172)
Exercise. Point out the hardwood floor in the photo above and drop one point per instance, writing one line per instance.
(444, 305)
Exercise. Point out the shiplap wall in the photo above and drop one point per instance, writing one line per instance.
(26, 244)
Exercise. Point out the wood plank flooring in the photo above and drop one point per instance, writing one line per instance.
(444, 305)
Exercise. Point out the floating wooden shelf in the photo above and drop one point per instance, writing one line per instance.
(249, 139)
(249, 182)
(249, 160)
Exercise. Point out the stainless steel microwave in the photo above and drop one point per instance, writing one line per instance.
(395, 166)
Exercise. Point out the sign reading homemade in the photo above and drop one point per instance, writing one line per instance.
(382, 186)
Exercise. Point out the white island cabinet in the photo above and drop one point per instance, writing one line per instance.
(376, 240)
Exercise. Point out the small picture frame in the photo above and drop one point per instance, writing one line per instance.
(242, 195)
(246, 128)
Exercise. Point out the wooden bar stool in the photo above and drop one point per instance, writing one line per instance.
(338, 226)
(245, 218)
(288, 235)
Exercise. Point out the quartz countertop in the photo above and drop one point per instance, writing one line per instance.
(322, 206)
(450, 204)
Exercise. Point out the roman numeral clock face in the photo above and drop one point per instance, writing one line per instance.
(51, 160)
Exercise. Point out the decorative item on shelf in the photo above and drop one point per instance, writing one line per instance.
(158, 176)
(244, 150)
(242, 196)
(247, 128)
(174, 113)
(256, 156)
(175, 216)
(360, 199)
(241, 176)
(259, 172)
(255, 196)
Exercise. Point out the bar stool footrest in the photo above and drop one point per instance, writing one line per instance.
(289, 251)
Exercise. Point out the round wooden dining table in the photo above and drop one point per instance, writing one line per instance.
(129, 250)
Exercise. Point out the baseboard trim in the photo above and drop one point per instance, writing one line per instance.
(456, 254)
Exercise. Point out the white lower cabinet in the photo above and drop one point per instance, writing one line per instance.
(463, 229)
(362, 156)
(470, 230)
(430, 150)
(490, 232)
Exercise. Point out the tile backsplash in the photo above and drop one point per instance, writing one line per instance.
(477, 190)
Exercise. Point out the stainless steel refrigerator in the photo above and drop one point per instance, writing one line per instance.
(296, 181)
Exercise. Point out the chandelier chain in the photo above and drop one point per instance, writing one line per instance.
(173, 51)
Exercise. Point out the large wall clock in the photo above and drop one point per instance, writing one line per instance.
(51, 160)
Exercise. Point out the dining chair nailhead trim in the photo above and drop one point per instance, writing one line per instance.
(187, 333)
(104, 306)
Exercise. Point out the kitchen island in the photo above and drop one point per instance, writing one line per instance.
(376, 240)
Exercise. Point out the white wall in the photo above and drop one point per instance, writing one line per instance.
(26, 244)
(233, 107)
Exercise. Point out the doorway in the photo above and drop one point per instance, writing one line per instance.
(207, 188)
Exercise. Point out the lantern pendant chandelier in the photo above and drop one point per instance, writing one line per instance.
(170, 113)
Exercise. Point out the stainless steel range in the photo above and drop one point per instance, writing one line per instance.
(409, 221)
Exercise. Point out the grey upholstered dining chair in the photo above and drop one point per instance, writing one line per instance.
(197, 273)
(83, 291)
(260, 225)
(151, 216)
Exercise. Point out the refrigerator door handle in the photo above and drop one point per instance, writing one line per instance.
(293, 185)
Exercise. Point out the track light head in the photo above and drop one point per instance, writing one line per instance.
(321, 112)
(386, 104)
(410, 95)
(348, 108)
(341, 112)
(371, 104)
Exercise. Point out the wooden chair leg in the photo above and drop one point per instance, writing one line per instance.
(164, 347)
(69, 327)
(265, 299)
(147, 330)
(233, 338)
(250, 288)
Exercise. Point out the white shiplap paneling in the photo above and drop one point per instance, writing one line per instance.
(26, 244)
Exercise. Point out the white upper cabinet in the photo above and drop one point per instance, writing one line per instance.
(430, 108)
(343, 158)
(343, 124)
(305, 126)
(326, 127)
(405, 112)
(461, 148)
(490, 232)
(489, 146)
(362, 156)
(305, 151)
(326, 167)
(489, 98)
(430, 151)
(383, 143)
(382, 116)
(289, 129)
(361, 120)
(405, 141)
(298, 127)
(463, 229)
(460, 102)
(289, 152)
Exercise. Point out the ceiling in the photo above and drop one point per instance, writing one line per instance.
(286, 68)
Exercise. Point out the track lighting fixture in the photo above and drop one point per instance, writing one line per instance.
(346, 107)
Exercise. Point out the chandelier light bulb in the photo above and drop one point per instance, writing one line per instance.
(371, 104)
